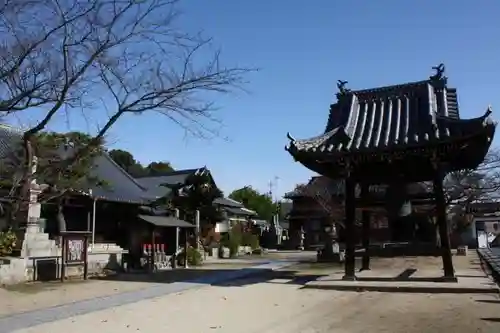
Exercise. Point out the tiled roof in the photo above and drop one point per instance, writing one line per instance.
(240, 211)
(166, 221)
(228, 202)
(261, 223)
(155, 185)
(392, 117)
(10, 139)
(120, 186)
(484, 207)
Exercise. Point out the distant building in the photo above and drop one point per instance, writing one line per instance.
(484, 219)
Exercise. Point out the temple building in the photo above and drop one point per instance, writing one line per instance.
(395, 136)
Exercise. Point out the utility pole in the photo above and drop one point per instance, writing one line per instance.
(273, 184)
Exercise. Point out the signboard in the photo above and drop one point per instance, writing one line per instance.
(74, 251)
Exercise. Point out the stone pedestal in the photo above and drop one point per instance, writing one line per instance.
(35, 242)
(331, 253)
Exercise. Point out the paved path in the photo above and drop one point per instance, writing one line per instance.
(45, 315)
(280, 304)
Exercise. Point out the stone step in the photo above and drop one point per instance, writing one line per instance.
(37, 238)
(107, 247)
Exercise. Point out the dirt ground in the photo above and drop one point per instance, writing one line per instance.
(33, 296)
(277, 302)
(460, 263)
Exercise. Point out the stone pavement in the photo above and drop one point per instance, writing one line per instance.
(16, 321)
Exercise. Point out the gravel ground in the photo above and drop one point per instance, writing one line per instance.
(274, 306)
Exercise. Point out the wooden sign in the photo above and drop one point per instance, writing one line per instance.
(74, 251)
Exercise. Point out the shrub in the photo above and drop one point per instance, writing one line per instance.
(194, 257)
(250, 239)
(232, 240)
(8, 241)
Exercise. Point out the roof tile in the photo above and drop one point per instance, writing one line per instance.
(120, 187)
(390, 117)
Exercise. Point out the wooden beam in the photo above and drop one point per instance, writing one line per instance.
(449, 272)
(350, 216)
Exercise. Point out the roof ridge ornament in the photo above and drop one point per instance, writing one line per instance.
(489, 110)
(439, 76)
(487, 120)
(343, 91)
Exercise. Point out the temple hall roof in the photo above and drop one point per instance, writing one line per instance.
(157, 186)
(393, 117)
(120, 186)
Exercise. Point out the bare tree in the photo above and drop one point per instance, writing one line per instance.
(462, 188)
(323, 190)
(465, 187)
(130, 56)
(481, 183)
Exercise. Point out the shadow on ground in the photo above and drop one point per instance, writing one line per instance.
(494, 320)
(167, 276)
(401, 289)
(300, 275)
(36, 287)
(489, 301)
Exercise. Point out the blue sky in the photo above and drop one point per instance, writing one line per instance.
(302, 49)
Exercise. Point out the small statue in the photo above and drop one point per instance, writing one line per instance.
(439, 72)
(341, 86)
(34, 165)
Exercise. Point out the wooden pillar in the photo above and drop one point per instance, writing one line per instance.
(449, 272)
(366, 240)
(186, 247)
(153, 250)
(350, 216)
(365, 216)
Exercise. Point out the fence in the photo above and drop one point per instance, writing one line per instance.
(155, 256)
(491, 257)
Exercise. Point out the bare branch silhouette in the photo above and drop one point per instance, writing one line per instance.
(72, 55)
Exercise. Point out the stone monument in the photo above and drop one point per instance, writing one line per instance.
(331, 250)
(36, 242)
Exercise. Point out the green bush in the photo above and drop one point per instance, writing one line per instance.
(194, 257)
(250, 239)
(234, 246)
(8, 241)
(232, 240)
